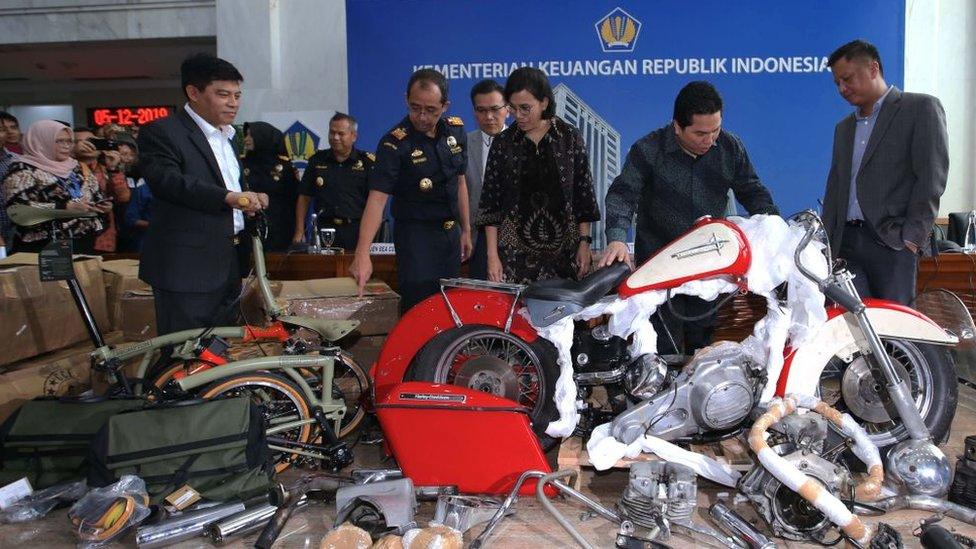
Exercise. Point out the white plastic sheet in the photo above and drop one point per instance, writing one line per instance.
(772, 243)
(604, 451)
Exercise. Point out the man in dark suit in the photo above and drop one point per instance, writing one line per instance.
(888, 172)
(190, 253)
(490, 110)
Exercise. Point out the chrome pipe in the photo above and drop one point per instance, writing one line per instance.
(731, 523)
(928, 503)
(245, 522)
(183, 527)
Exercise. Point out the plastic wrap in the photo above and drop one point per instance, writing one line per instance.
(772, 243)
(41, 502)
(787, 473)
(336, 299)
(105, 514)
(604, 451)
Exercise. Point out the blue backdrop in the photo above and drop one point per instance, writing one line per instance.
(626, 60)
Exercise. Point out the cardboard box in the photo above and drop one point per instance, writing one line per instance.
(336, 299)
(120, 275)
(365, 349)
(137, 309)
(37, 317)
(60, 373)
(67, 373)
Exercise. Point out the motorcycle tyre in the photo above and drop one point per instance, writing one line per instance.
(425, 365)
(941, 412)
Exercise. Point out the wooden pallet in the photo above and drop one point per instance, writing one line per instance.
(573, 455)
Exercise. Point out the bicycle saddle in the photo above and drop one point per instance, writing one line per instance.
(29, 216)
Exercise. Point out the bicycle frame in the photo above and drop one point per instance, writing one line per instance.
(324, 406)
(333, 409)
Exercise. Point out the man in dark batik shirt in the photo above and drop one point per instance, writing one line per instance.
(673, 176)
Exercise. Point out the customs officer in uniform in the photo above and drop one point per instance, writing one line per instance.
(420, 162)
(336, 179)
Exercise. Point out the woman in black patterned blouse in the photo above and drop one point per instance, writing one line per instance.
(46, 176)
(537, 201)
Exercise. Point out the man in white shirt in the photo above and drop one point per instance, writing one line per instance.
(190, 252)
(491, 112)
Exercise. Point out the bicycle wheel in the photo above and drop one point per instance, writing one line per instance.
(351, 384)
(281, 402)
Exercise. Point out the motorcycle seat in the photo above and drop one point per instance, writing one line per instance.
(583, 292)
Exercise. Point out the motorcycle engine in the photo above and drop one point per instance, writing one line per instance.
(658, 494)
(715, 391)
(800, 440)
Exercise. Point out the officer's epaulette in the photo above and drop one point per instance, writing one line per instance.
(454, 121)
(399, 133)
(371, 157)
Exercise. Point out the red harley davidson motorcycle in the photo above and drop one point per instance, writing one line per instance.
(477, 335)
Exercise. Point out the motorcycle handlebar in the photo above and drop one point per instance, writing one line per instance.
(813, 224)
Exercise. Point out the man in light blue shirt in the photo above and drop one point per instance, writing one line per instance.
(887, 174)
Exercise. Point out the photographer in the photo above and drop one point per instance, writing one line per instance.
(103, 160)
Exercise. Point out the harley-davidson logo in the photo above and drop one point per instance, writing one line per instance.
(712, 245)
(433, 397)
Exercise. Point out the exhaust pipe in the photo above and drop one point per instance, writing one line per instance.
(183, 527)
(245, 522)
(928, 503)
(733, 524)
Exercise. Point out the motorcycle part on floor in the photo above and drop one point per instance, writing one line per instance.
(733, 524)
(800, 441)
(661, 497)
(963, 489)
(933, 536)
(464, 512)
(386, 506)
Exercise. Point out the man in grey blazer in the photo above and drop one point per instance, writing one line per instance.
(888, 172)
(491, 112)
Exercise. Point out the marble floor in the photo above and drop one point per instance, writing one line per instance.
(530, 526)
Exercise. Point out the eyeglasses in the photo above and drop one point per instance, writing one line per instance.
(420, 110)
(491, 109)
(68, 142)
(521, 109)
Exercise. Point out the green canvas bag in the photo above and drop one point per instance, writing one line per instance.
(47, 439)
(217, 447)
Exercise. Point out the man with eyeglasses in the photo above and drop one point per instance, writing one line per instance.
(420, 162)
(490, 111)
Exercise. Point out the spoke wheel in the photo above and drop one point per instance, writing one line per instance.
(855, 389)
(487, 359)
(281, 402)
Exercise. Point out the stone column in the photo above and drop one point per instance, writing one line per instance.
(292, 55)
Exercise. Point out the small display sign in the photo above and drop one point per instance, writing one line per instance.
(128, 116)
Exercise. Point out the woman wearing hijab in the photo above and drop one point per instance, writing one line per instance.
(46, 176)
(267, 169)
(537, 201)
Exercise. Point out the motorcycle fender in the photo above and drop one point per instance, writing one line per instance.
(840, 336)
(432, 316)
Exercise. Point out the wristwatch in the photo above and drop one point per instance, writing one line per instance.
(586, 238)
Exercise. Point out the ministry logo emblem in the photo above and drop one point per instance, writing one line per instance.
(301, 143)
(618, 31)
